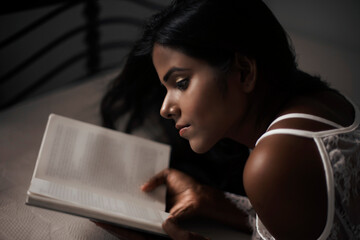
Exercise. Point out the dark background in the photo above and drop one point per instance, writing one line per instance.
(325, 34)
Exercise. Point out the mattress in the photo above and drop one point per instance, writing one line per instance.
(21, 130)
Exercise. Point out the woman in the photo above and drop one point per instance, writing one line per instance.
(228, 72)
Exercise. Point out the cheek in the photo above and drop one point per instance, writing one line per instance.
(196, 110)
(203, 100)
(207, 117)
(204, 107)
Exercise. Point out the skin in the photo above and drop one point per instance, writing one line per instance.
(283, 177)
(191, 89)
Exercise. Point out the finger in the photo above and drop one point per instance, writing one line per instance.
(157, 180)
(182, 212)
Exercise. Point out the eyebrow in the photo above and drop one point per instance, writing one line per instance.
(171, 71)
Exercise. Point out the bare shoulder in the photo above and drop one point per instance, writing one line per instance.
(328, 104)
(284, 175)
(284, 180)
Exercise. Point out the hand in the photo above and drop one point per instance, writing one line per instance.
(188, 198)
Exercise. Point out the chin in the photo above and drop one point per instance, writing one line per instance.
(199, 148)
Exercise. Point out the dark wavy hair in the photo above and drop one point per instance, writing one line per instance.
(213, 31)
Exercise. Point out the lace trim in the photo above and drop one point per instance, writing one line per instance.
(241, 202)
(344, 153)
(262, 231)
(335, 232)
(244, 204)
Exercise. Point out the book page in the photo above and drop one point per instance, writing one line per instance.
(97, 159)
(93, 200)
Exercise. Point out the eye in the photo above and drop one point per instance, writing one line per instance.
(182, 84)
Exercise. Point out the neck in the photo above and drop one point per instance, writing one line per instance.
(262, 111)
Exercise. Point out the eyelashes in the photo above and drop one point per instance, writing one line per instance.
(183, 84)
(180, 84)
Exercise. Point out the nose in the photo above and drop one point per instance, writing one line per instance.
(169, 108)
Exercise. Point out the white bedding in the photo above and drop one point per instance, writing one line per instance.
(21, 130)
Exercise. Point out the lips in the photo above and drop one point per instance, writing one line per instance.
(182, 128)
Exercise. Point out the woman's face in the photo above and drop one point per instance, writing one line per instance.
(202, 111)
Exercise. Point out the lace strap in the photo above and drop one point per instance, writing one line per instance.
(296, 132)
(289, 131)
(306, 116)
(338, 128)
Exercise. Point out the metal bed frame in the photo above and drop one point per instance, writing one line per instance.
(91, 31)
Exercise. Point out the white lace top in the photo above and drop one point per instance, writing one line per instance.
(340, 152)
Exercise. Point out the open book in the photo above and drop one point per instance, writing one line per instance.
(94, 172)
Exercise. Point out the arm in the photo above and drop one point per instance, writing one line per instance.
(284, 180)
(189, 198)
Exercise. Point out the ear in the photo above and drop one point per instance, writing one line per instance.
(248, 72)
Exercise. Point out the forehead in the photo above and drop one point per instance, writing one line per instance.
(164, 56)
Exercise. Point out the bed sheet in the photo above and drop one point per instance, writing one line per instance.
(21, 130)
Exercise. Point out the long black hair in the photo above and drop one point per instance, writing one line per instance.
(213, 31)
(210, 30)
